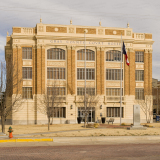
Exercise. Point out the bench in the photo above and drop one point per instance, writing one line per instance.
(110, 120)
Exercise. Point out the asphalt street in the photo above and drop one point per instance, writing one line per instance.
(83, 152)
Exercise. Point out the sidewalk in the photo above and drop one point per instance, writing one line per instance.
(61, 141)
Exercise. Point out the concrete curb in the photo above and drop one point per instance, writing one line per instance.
(28, 140)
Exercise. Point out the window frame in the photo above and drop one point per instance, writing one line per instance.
(27, 54)
(139, 75)
(113, 56)
(81, 90)
(27, 93)
(90, 73)
(114, 112)
(56, 54)
(90, 55)
(27, 72)
(55, 73)
(139, 56)
(139, 93)
(113, 74)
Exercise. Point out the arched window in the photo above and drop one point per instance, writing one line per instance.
(56, 53)
(90, 55)
(113, 55)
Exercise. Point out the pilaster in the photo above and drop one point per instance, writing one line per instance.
(150, 72)
(40, 69)
(34, 73)
(146, 72)
(15, 68)
(98, 72)
(73, 70)
(19, 65)
(131, 72)
(126, 74)
(69, 81)
(102, 69)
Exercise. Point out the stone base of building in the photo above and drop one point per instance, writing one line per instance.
(137, 128)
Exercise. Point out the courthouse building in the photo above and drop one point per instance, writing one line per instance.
(51, 53)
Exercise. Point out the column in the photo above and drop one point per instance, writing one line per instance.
(98, 72)
(132, 72)
(150, 72)
(14, 68)
(73, 73)
(19, 73)
(146, 72)
(69, 82)
(40, 70)
(102, 69)
(34, 73)
(126, 75)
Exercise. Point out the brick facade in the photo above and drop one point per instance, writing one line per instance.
(98, 39)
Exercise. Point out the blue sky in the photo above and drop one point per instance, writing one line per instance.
(142, 15)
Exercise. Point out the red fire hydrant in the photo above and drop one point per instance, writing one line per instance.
(10, 132)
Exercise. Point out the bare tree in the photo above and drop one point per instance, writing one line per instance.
(146, 106)
(11, 91)
(90, 100)
(51, 101)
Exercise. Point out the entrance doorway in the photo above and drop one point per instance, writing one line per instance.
(91, 114)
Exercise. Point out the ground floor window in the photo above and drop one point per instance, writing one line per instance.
(114, 112)
(58, 112)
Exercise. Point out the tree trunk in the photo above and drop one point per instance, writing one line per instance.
(3, 123)
(48, 124)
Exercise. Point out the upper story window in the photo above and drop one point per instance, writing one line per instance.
(56, 91)
(139, 75)
(113, 74)
(90, 55)
(27, 93)
(139, 93)
(26, 53)
(90, 91)
(113, 91)
(113, 55)
(139, 56)
(56, 54)
(90, 73)
(55, 73)
(27, 72)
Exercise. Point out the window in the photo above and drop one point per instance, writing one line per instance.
(56, 53)
(90, 91)
(113, 55)
(139, 93)
(27, 93)
(27, 72)
(139, 75)
(56, 90)
(139, 56)
(58, 112)
(90, 55)
(55, 73)
(114, 112)
(26, 53)
(113, 74)
(90, 74)
(113, 91)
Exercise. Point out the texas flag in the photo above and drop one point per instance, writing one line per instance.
(124, 52)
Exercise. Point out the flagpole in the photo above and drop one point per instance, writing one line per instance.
(121, 84)
(85, 75)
